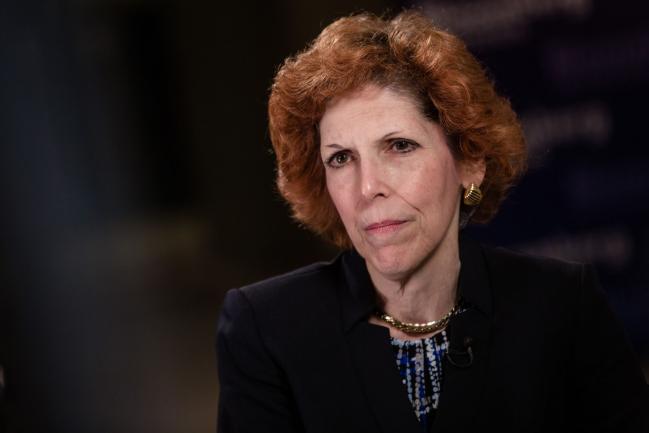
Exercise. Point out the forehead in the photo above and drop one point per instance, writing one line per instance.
(371, 110)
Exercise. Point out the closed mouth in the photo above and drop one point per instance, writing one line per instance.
(384, 225)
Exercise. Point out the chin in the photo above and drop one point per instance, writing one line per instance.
(393, 262)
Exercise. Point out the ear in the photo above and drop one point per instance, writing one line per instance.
(472, 172)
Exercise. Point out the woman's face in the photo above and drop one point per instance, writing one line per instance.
(392, 178)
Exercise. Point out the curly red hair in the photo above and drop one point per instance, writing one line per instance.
(407, 53)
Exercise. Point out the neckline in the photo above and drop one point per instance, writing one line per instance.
(436, 338)
(359, 300)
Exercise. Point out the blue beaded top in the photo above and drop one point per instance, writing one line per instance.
(420, 367)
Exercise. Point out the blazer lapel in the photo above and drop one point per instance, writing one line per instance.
(462, 386)
(371, 354)
(376, 368)
(466, 364)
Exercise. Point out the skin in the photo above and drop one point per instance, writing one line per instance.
(397, 189)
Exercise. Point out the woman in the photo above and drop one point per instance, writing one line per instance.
(389, 138)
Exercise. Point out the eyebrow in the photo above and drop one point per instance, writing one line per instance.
(338, 146)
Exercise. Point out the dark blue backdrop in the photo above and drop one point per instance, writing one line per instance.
(577, 73)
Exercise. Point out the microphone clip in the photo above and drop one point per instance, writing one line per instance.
(461, 358)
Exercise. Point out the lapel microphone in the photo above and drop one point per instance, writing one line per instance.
(461, 358)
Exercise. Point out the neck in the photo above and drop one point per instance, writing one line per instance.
(429, 292)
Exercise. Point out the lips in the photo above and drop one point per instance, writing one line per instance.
(384, 226)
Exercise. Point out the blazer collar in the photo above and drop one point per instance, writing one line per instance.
(360, 300)
(473, 283)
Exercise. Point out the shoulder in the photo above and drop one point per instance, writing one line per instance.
(535, 283)
(304, 284)
(304, 295)
(523, 264)
(511, 268)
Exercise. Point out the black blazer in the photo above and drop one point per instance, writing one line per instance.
(297, 354)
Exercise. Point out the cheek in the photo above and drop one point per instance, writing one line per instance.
(423, 184)
(433, 189)
(339, 195)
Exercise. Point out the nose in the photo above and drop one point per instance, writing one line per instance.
(373, 180)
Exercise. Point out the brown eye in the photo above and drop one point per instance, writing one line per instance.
(341, 158)
(403, 146)
(338, 159)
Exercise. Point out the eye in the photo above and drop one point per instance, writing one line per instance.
(401, 145)
(339, 159)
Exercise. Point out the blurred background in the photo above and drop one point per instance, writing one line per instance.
(137, 182)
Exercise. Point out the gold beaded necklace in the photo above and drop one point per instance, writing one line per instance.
(417, 328)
